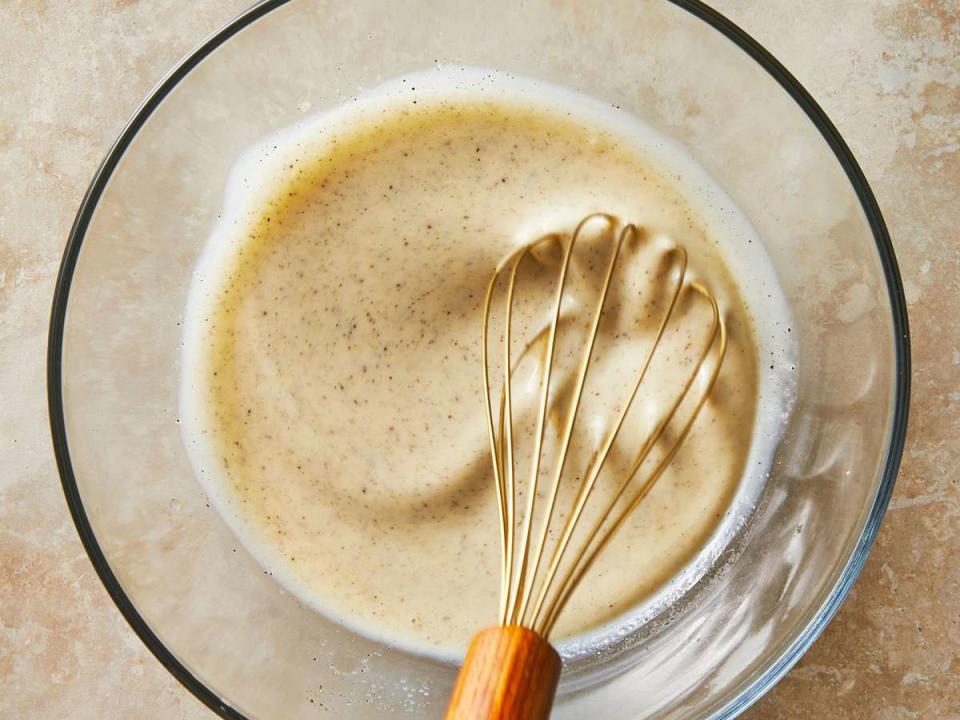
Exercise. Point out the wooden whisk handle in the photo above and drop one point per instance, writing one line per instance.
(510, 673)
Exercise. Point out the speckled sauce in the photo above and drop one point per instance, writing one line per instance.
(333, 403)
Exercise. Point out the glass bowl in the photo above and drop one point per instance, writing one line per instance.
(202, 605)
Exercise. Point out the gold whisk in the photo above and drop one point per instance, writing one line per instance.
(511, 670)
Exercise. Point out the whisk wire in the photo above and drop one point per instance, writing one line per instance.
(532, 486)
(508, 445)
(628, 231)
(495, 451)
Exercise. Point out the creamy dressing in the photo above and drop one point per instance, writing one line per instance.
(331, 396)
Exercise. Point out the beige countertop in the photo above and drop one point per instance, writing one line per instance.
(888, 74)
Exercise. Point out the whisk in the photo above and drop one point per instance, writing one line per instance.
(511, 670)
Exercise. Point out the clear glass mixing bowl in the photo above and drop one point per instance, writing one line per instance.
(202, 605)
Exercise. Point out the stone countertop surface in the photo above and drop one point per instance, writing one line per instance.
(887, 72)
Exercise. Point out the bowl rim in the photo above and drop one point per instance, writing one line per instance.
(749, 693)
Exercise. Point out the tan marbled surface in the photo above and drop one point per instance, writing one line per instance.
(887, 72)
